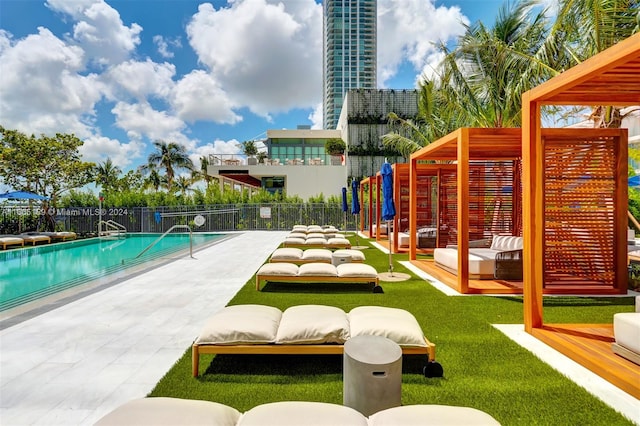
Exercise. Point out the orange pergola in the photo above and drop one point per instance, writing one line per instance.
(551, 165)
(470, 152)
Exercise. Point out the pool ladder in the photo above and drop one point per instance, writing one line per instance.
(112, 228)
(165, 234)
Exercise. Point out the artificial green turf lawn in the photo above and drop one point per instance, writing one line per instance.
(483, 368)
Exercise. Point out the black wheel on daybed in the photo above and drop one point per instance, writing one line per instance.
(433, 369)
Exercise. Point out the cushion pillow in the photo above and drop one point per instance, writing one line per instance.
(302, 235)
(171, 411)
(316, 235)
(351, 270)
(394, 324)
(417, 415)
(241, 324)
(316, 241)
(337, 241)
(280, 268)
(295, 241)
(316, 254)
(317, 270)
(506, 242)
(287, 253)
(356, 255)
(314, 324)
(296, 413)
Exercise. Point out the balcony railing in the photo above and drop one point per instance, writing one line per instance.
(308, 160)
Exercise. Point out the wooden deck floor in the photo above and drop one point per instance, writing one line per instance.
(568, 286)
(590, 346)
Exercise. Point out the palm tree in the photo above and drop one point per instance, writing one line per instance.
(169, 156)
(107, 175)
(480, 82)
(183, 184)
(593, 26)
(154, 180)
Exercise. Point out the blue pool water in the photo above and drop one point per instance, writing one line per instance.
(31, 273)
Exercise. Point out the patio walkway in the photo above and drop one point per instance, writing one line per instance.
(74, 364)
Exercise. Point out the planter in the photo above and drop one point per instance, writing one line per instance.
(252, 161)
(336, 160)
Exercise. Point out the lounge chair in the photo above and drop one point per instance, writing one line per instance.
(34, 239)
(174, 411)
(626, 330)
(317, 242)
(59, 236)
(299, 256)
(10, 240)
(316, 273)
(305, 330)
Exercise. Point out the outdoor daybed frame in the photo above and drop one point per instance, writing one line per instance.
(263, 277)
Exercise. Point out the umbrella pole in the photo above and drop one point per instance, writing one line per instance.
(357, 230)
(390, 247)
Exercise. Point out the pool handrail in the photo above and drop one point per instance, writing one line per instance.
(163, 235)
(120, 228)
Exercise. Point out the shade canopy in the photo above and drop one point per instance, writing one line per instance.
(22, 195)
(388, 206)
(355, 202)
(344, 200)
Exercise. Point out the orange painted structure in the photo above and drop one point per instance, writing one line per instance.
(578, 184)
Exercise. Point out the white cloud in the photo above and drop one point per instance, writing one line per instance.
(316, 117)
(41, 89)
(407, 30)
(140, 79)
(265, 55)
(99, 30)
(164, 44)
(199, 97)
(99, 148)
(141, 120)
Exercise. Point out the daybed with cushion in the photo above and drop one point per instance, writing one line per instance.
(426, 238)
(502, 260)
(299, 256)
(173, 411)
(305, 330)
(10, 240)
(316, 273)
(33, 239)
(319, 241)
(626, 330)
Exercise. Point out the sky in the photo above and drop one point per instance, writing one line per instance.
(121, 74)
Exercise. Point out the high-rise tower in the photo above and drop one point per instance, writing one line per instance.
(349, 54)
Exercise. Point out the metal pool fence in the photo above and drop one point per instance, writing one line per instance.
(217, 218)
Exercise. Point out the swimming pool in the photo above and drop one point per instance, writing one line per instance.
(35, 272)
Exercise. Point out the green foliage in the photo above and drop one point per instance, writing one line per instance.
(46, 165)
(335, 146)
(249, 148)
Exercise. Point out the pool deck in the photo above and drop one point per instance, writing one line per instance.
(77, 362)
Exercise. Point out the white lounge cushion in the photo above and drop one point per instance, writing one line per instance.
(302, 228)
(317, 270)
(316, 235)
(314, 228)
(441, 415)
(316, 241)
(302, 235)
(506, 243)
(297, 413)
(395, 324)
(316, 254)
(481, 261)
(295, 241)
(242, 324)
(355, 255)
(313, 324)
(355, 270)
(171, 411)
(280, 268)
(337, 241)
(286, 253)
(626, 329)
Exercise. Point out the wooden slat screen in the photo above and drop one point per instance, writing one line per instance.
(579, 215)
(448, 208)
